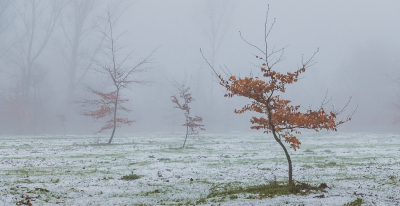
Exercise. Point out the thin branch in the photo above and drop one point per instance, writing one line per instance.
(310, 61)
(240, 33)
(216, 74)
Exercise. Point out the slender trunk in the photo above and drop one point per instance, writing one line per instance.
(287, 157)
(28, 82)
(281, 144)
(187, 129)
(115, 117)
(29, 55)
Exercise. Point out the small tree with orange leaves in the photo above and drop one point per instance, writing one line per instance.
(109, 104)
(106, 106)
(279, 117)
(192, 124)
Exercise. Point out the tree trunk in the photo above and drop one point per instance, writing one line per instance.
(287, 157)
(280, 143)
(29, 54)
(115, 117)
(187, 131)
(112, 136)
(74, 60)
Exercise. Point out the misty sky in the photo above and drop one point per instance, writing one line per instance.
(358, 57)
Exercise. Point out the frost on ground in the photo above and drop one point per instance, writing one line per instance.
(151, 169)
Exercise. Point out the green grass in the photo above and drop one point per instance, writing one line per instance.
(131, 177)
(234, 190)
(307, 166)
(41, 190)
(356, 202)
(109, 145)
(164, 159)
(26, 172)
(97, 155)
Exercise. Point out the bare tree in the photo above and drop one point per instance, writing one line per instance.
(113, 66)
(5, 19)
(192, 124)
(78, 29)
(31, 30)
(38, 20)
(4, 5)
(213, 18)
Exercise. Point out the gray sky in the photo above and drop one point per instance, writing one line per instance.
(358, 44)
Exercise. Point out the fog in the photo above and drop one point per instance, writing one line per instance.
(51, 52)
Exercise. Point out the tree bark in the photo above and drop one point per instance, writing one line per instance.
(281, 144)
(115, 117)
(72, 67)
(287, 157)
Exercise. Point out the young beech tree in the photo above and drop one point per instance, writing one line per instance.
(192, 124)
(279, 117)
(107, 106)
(110, 103)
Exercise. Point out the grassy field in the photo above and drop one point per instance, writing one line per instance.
(216, 169)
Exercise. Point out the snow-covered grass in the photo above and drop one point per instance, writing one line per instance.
(151, 169)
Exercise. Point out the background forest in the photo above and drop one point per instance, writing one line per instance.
(51, 53)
